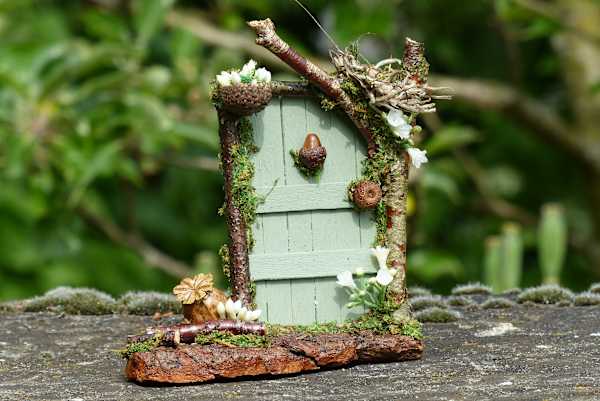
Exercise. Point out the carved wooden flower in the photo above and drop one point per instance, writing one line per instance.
(193, 289)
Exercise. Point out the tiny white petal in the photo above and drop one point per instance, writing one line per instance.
(417, 156)
(242, 314)
(230, 309)
(237, 306)
(262, 75)
(344, 279)
(395, 118)
(381, 253)
(235, 78)
(384, 277)
(224, 78)
(248, 69)
(221, 310)
(403, 131)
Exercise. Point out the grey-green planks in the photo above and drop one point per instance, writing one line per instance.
(306, 231)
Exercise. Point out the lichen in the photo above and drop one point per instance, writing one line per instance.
(437, 315)
(461, 301)
(595, 288)
(76, 301)
(148, 303)
(225, 262)
(427, 301)
(546, 294)
(416, 291)
(498, 303)
(587, 298)
(511, 291)
(471, 289)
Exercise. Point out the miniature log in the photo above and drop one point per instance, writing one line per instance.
(186, 333)
(286, 355)
(238, 244)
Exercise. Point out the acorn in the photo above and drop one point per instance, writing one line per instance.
(245, 99)
(366, 194)
(312, 155)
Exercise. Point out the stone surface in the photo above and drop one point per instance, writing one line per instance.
(521, 353)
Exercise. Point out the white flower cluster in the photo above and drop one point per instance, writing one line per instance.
(398, 122)
(235, 311)
(371, 292)
(249, 74)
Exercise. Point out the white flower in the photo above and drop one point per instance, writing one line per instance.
(224, 78)
(248, 69)
(393, 272)
(383, 276)
(359, 271)
(242, 314)
(400, 126)
(230, 309)
(344, 279)
(417, 156)
(235, 78)
(381, 253)
(263, 75)
(252, 315)
(221, 310)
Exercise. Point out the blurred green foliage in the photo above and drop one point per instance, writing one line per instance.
(105, 111)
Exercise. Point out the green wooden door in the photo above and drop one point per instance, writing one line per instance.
(306, 231)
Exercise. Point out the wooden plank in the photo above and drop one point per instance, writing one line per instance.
(268, 139)
(262, 299)
(277, 293)
(293, 125)
(304, 197)
(296, 265)
(302, 290)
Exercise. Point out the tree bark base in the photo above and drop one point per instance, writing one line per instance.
(288, 354)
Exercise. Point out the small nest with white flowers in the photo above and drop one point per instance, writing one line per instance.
(245, 99)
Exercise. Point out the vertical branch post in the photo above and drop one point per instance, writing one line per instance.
(229, 134)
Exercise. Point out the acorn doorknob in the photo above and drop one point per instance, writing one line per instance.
(313, 154)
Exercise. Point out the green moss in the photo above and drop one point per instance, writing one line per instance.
(142, 346)
(416, 291)
(427, 301)
(437, 315)
(498, 303)
(233, 340)
(546, 294)
(587, 298)
(595, 288)
(327, 104)
(225, 262)
(148, 303)
(511, 291)
(76, 301)
(8, 307)
(460, 300)
(302, 168)
(471, 289)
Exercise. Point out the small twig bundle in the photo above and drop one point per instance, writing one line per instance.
(387, 87)
(186, 333)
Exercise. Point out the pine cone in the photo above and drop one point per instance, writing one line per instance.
(366, 194)
(245, 99)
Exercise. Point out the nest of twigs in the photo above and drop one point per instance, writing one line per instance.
(245, 99)
(386, 84)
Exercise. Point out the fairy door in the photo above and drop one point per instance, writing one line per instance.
(306, 231)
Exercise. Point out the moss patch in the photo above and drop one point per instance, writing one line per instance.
(233, 340)
(418, 291)
(427, 301)
(307, 172)
(587, 298)
(76, 301)
(460, 300)
(546, 294)
(437, 315)
(595, 288)
(142, 346)
(471, 289)
(148, 303)
(498, 303)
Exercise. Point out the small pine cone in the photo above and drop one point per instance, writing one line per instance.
(366, 194)
(245, 99)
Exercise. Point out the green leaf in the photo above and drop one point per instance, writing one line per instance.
(102, 162)
(148, 18)
(451, 137)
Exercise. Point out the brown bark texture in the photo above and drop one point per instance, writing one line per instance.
(287, 354)
(186, 333)
(238, 245)
(268, 38)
